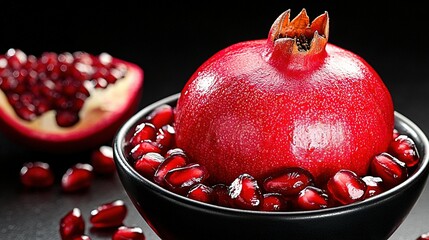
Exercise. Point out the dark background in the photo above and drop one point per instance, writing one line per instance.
(169, 40)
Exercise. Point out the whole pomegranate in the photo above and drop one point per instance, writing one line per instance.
(291, 100)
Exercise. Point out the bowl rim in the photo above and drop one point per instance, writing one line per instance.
(121, 160)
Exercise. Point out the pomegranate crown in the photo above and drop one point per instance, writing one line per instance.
(299, 34)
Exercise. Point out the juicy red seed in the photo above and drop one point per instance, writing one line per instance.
(289, 181)
(27, 113)
(36, 175)
(128, 233)
(174, 151)
(390, 169)
(346, 187)
(72, 224)
(220, 195)
(166, 137)
(201, 192)
(144, 131)
(78, 177)
(424, 236)
(181, 179)
(162, 115)
(273, 202)
(16, 58)
(373, 186)
(172, 162)
(245, 193)
(108, 215)
(66, 118)
(102, 160)
(312, 198)
(144, 147)
(148, 164)
(404, 148)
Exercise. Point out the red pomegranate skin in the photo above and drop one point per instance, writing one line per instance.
(260, 105)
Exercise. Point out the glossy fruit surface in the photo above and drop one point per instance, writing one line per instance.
(291, 100)
(62, 102)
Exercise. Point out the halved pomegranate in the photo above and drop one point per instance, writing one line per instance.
(67, 101)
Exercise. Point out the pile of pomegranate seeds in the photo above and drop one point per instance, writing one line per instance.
(106, 216)
(153, 154)
(59, 82)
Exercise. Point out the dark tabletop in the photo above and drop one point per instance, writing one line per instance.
(169, 41)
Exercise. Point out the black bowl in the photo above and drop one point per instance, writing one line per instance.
(173, 216)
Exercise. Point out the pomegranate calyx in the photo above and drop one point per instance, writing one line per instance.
(299, 35)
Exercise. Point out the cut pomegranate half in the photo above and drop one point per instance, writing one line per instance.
(67, 101)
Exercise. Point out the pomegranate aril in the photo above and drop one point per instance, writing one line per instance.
(181, 179)
(174, 151)
(166, 137)
(72, 225)
(390, 169)
(77, 178)
(65, 118)
(312, 198)
(172, 162)
(395, 133)
(36, 175)
(109, 215)
(128, 233)
(15, 58)
(404, 148)
(289, 181)
(346, 187)
(245, 193)
(143, 131)
(148, 164)
(201, 192)
(162, 115)
(273, 202)
(102, 160)
(220, 195)
(373, 186)
(144, 147)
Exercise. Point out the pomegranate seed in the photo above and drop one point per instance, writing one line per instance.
(404, 148)
(289, 181)
(108, 215)
(390, 169)
(312, 198)
(144, 131)
(373, 186)
(201, 192)
(148, 164)
(220, 195)
(174, 161)
(245, 193)
(76, 178)
(273, 202)
(144, 147)
(36, 175)
(162, 115)
(424, 236)
(102, 160)
(66, 118)
(181, 179)
(72, 224)
(16, 58)
(128, 233)
(174, 151)
(165, 137)
(346, 187)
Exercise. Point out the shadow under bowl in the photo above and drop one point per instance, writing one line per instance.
(173, 216)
